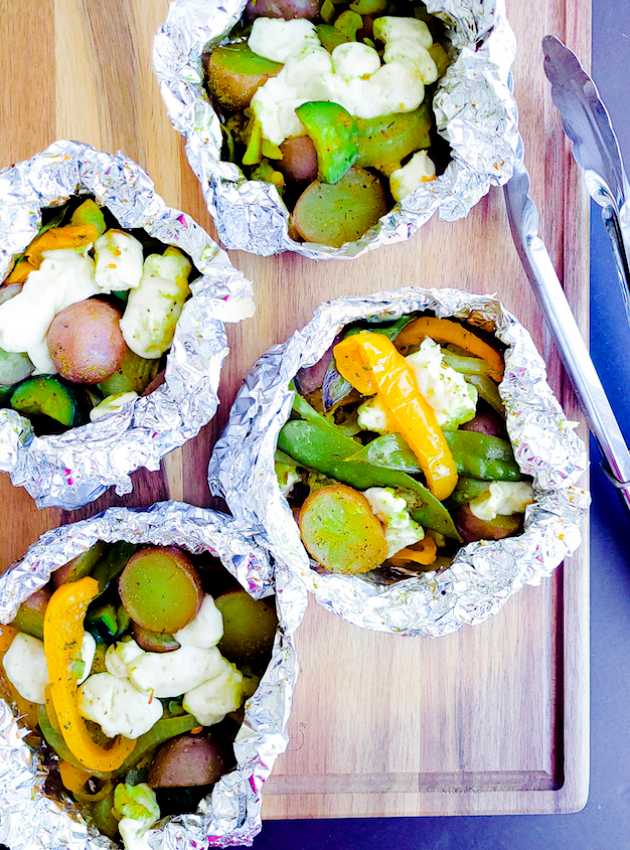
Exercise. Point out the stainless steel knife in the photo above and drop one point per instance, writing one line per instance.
(595, 148)
(524, 221)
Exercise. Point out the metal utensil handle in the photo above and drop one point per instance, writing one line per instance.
(573, 351)
(615, 234)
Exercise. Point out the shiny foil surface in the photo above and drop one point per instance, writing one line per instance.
(230, 815)
(474, 109)
(484, 574)
(72, 469)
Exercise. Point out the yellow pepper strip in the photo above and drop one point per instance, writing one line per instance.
(444, 330)
(372, 364)
(74, 780)
(424, 552)
(63, 638)
(69, 236)
(20, 272)
(26, 710)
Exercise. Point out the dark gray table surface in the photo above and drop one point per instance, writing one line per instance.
(605, 822)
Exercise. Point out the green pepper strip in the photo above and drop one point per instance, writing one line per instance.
(162, 731)
(476, 455)
(56, 742)
(112, 565)
(323, 447)
(488, 391)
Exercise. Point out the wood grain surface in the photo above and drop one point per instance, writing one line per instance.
(492, 719)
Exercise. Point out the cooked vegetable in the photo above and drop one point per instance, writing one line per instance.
(487, 423)
(14, 367)
(464, 364)
(80, 566)
(71, 236)
(340, 531)
(74, 780)
(164, 730)
(333, 131)
(113, 563)
(153, 641)
(235, 73)
(372, 364)
(448, 331)
(85, 341)
(488, 391)
(134, 374)
(249, 626)
(30, 615)
(63, 639)
(45, 395)
(440, 57)
(330, 36)
(287, 9)
(423, 553)
(187, 761)
(103, 816)
(89, 213)
(468, 489)
(349, 23)
(325, 448)
(333, 214)
(102, 622)
(299, 159)
(472, 528)
(386, 140)
(268, 174)
(160, 589)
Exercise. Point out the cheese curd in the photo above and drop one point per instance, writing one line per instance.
(400, 529)
(64, 278)
(171, 674)
(155, 305)
(118, 261)
(120, 655)
(454, 401)
(206, 630)
(212, 700)
(502, 498)
(405, 180)
(112, 404)
(118, 707)
(25, 665)
(352, 76)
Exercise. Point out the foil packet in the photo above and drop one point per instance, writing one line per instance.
(72, 469)
(231, 814)
(475, 113)
(484, 574)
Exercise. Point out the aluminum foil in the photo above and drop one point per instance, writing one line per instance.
(484, 574)
(72, 469)
(474, 109)
(230, 815)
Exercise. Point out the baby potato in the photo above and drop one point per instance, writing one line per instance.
(287, 9)
(85, 341)
(188, 761)
(160, 589)
(472, 528)
(340, 531)
(249, 626)
(299, 159)
(235, 74)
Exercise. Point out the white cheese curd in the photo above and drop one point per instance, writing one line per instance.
(280, 40)
(372, 416)
(111, 404)
(25, 665)
(153, 308)
(39, 355)
(212, 700)
(64, 277)
(118, 707)
(400, 529)
(453, 400)
(352, 77)
(171, 674)
(88, 651)
(120, 655)
(118, 261)
(405, 180)
(355, 60)
(206, 630)
(502, 498)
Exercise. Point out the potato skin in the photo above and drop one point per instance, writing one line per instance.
(187, 761)
(299, 159)
(235, 74)
(287, 9)
(472, 528)
(85, 341)
(486, 423)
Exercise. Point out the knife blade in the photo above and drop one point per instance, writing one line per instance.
(524, 224)
(595, 148)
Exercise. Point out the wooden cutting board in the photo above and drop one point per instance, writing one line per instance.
(493, 719)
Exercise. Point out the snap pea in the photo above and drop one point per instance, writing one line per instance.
(163, 730)
(468, 489)
(463, 364)
(476, 455)
(323, 448)
(488, 391)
